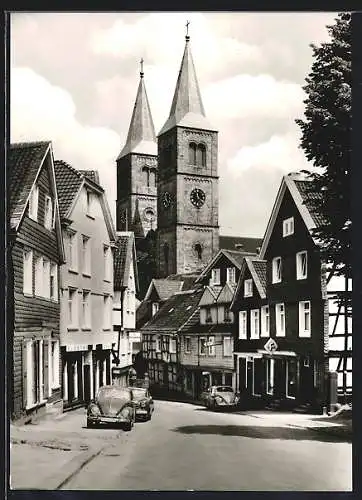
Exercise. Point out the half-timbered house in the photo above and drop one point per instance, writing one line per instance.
(36, 253)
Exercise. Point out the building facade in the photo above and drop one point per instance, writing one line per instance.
(188, 226)
(36, 253)
(86, 328)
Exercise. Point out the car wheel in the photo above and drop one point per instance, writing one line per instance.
(90, 425)
(149, 416)
(128, 426)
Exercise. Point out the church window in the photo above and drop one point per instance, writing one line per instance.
(201, 155)
(192, 153)
(146, 176)
(198, 250)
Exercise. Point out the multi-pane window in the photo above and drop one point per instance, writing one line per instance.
(107, 258)
(107, 312)
(228, 346)
(34, 202)
(288, 226)
(302, 263)
(304, 319)
(188, 344)
(86, 255)
(173, 346)
(265, 322)
(277, 270)
(158, 344)
(73, 308)
(54, 364)
(208, 317)
(203, 346)
(280, 320)
(54, 282)
(242, 325)
(215, 277)
(211, 346)
(155, 307)
(28, 272)
(254, 324)
(230, 274)
(48, 217)
(72, 251)
(248, 288)
(39, 282)
(86, 309)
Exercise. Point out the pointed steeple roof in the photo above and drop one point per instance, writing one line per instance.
(187, 109)
(141, 136)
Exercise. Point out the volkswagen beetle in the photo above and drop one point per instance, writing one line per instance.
(220, 396)
(112, 405)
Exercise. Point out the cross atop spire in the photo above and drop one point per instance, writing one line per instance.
(141, 63)
(187, 31)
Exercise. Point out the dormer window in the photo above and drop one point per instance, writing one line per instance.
(227, 316)
(34, 202)
(208, 318)
(277, 270)
(288, 226)
(215, 277)
(155, 307)
(230, 274)
(248, 288)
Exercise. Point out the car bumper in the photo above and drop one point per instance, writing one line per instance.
(108, 420)
(141, 412)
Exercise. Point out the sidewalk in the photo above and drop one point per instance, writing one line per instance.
(43, 455)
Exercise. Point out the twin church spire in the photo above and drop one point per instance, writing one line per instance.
(187, 109)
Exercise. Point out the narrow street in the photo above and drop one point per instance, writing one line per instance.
(185, 447)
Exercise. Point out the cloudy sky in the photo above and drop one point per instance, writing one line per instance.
(74, 78)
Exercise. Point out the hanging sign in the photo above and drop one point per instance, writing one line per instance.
(271, 346)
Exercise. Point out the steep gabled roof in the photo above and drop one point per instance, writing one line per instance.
(175, 311)
(187, 109)
(24, 161)
(210, 295)
(241, 244)
(122, 258)
(141, 136)
(235, 257)
(70, 182)
(226, 294)
(257, 268)
(300, 188)
(164, 288)
(188, 280)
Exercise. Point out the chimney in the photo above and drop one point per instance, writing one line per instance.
(239, 246)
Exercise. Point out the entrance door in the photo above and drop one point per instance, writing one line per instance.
(306, 381)
(242, 375)
(280, 378)
(249, 377)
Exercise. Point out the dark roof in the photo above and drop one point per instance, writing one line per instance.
(68, 181)
(143, 312)
(260, 269)
(238, 255)
(23, 163)
(248, 244)
(175, 311)
(93, 175)
(120, 255)
(188, 280)
(311, 198)
(165, 288)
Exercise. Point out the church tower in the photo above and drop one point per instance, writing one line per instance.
(137, 170)
(188, 230)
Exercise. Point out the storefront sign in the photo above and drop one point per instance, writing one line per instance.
(76, 347)
(271, 346)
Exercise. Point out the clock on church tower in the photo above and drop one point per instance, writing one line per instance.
(188, 230)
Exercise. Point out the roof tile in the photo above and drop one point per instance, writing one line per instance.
(68, 181)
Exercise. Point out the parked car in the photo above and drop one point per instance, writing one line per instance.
(220, 396)
(143, 403)
(112, 405)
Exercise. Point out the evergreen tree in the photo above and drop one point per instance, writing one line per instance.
(326, 141)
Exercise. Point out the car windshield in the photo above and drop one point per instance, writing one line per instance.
(113, 392)
(224, 389)
(139, 393)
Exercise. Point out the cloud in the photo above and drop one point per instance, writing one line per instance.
(42, 111)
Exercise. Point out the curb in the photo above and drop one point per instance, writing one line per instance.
(58, 479)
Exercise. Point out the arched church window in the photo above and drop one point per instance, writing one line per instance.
(146, 176)
(198, 250)
(201, 155)
(192, 153)
(166, 253)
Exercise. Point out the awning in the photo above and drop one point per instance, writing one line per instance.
(276, 354)
(248, 355)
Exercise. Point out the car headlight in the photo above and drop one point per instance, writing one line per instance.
(143, 404)
(94, 410)
(218, 399)
(124, 412)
